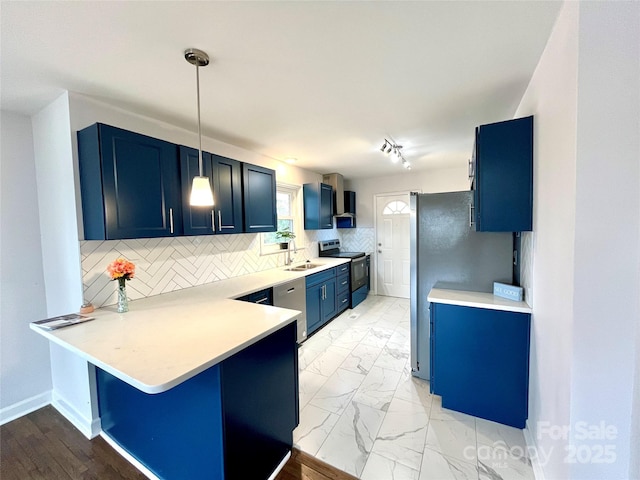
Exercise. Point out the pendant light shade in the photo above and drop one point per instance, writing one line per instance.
(201, 195)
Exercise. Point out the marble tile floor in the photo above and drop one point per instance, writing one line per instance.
(363, 412)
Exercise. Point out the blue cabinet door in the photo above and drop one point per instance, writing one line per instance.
(503, 180)
(330, 300)
(261, 406)
(318, 206)
(196, 220)
(481, 362)
(314, 296)
(225, 176)
(130, 184)
(259, 194)
(326, 206)
(227, 194)
(322, 299)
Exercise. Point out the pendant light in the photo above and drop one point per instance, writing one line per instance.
(201, 195)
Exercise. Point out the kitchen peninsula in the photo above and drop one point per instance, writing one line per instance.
(195, 384)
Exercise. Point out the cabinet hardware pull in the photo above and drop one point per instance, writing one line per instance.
(219, 219)
(344, 283)
(344, 301)
(471, 172)
(471, 210)
(291, 290)
(213, 222)
(171, 220)
(262, 300)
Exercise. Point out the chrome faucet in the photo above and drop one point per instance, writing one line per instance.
(287, 260)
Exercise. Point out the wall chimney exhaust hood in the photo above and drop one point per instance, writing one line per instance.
(343, 202)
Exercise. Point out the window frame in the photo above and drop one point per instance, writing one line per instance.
(296, 215)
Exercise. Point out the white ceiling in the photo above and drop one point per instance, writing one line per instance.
(324, 82)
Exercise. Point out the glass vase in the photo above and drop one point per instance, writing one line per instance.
(123, 302)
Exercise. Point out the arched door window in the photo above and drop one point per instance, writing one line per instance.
(396, 207)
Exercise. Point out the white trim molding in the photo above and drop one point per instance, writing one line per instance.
(529, 438)
(90, 428)
(24, 407)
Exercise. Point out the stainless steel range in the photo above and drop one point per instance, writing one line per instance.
(360, 264)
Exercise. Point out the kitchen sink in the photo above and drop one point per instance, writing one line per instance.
(302, 268)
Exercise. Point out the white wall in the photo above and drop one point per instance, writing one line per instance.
(25, 378)
(582, 275)
(634, 464)
(72, 377)
(606, 313)
(428, 181)
(552, 97)
(57, 207)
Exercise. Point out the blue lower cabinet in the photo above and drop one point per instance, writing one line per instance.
(343, 301)
(359, 296)
(322, 299)
(234, 421)
(314, 316)
(263, 297)
(344, 290)
(480, 362)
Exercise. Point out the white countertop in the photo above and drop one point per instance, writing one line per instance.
(476, 299)
(166, 339)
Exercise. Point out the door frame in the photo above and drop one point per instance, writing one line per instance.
(374, 267)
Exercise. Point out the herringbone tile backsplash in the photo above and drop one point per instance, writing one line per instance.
(167, 264)
(358, 239)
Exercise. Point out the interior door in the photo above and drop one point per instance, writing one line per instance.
(392, 245)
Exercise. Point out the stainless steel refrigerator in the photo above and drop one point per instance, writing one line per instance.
(446, 250)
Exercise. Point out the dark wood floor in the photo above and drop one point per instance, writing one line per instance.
(44, 445)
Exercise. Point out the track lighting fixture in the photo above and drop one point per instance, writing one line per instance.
(395, 153)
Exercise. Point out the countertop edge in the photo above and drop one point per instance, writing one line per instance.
(476, 300)
(162, 387)
(231, 291)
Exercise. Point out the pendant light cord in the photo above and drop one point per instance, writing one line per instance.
(199, 132)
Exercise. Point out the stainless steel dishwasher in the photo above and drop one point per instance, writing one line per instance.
(293, 295)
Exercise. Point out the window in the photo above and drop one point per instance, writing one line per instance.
(285, 209)
(287, 212)
(396, 207)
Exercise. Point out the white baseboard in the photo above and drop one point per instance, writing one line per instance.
(538, 472)
(151, 476)
(130, 458)
(280, 466)
(88, 427)
(24, 407)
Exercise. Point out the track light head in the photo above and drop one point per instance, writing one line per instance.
(395, 153)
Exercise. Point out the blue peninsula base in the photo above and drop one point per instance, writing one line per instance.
(233, 421)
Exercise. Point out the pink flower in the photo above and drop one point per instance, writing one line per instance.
(121, 268)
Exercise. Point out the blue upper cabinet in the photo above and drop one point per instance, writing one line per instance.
(259, 195)
(227, 194)
(130, 184)
(196, 220)
(503, 176)
(318, 206)
(225, 176)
